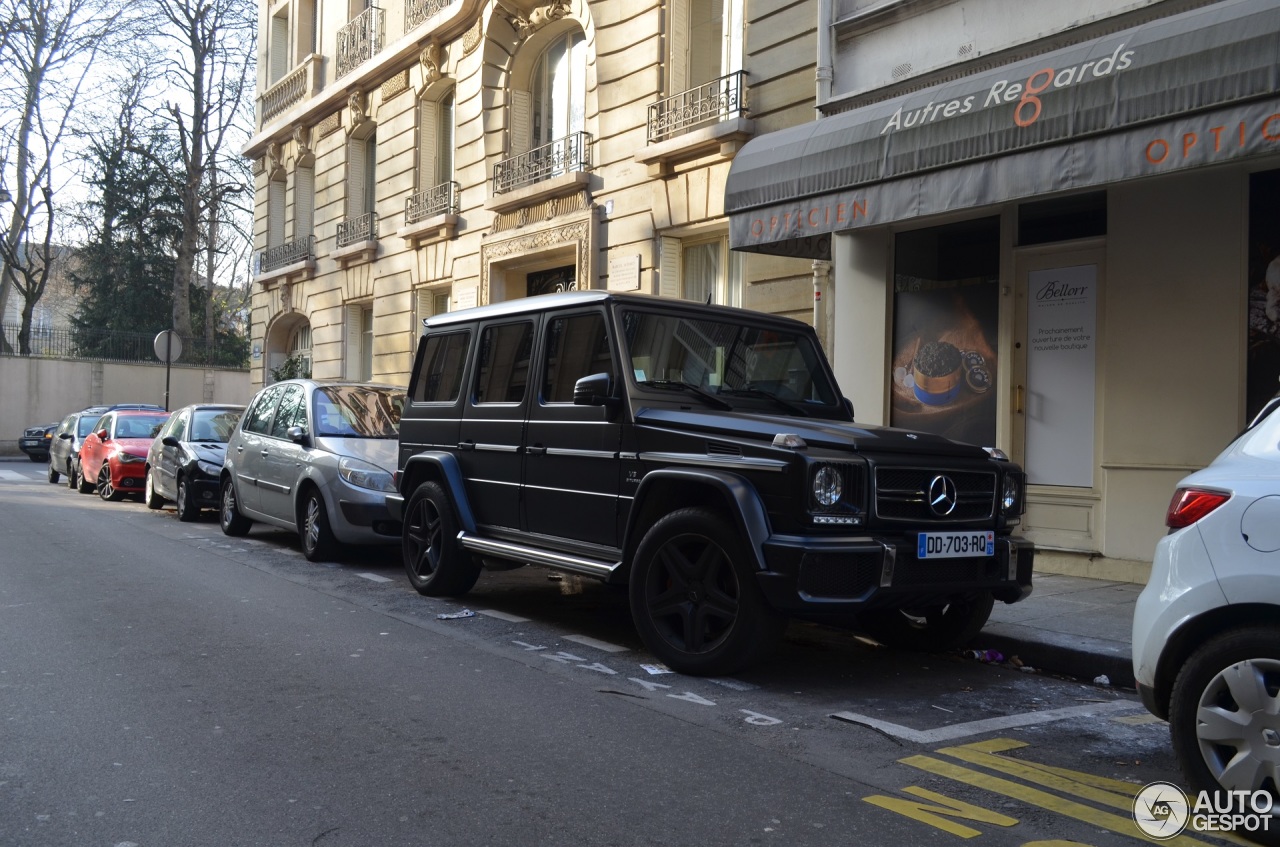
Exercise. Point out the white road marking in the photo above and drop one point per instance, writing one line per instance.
(588, 641)
(373, 577)
(15, 476)
(502, 616)
(734, 684)
(963, 730)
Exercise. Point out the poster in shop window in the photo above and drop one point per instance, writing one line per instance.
(1061, 347)
(1264, 290)
(944, 357)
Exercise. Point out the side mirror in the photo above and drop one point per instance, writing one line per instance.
(848, 406)
(66, 436)
(103, 435)
(297, 435)
(594, 390)
(170, 441)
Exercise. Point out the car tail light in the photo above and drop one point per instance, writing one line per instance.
(1191, 504)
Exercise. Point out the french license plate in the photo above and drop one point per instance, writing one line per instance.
(955, 545)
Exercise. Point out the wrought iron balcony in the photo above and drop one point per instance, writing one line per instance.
(293, 88)
(360, 40)
(441, 200)
(283, 255)
(715, 101)
(353, 230)
(417, 11)
(562, 156)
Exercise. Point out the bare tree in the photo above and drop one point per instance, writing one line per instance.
(211, 75)
(49, 48)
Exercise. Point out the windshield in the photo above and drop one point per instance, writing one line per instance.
(358, 411)
(213, 426)
(733, 361)
(139, 426)
(87, 424)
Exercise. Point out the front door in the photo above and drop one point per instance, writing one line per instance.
(1054, 407)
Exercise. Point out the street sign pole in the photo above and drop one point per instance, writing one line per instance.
(168, 347)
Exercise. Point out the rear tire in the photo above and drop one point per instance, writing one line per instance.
(318, 543)
(436, 564)
(233, 523)
(54, 476)
(932, 629)
(149, 495)
(695, 599)
(188, 509)
(71, 474)
(82, 485)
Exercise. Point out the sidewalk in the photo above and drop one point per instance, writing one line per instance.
(1069, 625)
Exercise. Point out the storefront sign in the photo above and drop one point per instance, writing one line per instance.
(1061, 347)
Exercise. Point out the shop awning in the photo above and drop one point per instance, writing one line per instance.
(1192, 89)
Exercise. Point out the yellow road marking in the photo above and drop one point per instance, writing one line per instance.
(933, 814)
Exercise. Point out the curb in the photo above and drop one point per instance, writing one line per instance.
(1076, 656)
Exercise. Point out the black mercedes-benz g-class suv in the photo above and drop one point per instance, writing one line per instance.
(703, 456)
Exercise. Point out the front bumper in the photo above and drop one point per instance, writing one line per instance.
(840, 577)
(38, 447)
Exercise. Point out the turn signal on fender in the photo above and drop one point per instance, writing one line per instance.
(1191, 504)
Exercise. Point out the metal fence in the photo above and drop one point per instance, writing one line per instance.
(441, 200)
(562, 156)
(715, 101)
(109, 346)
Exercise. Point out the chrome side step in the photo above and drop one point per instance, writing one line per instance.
(538, 556)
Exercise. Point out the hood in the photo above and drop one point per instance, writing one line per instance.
(383, 452)
(817, 432)
(214, 454)
(133, 446)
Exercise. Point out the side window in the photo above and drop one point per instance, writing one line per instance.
(292, 412)
(577, 346)
(180, 426)
(504, 363)
(67, 422)
(105, 422)
(259, 417)
(440, 376)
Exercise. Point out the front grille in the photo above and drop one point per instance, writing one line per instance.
(902, 494)
(840, 575)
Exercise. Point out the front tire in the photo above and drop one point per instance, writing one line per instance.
(82, 485)
(188, 508)
(695, 599)
(437, 565)
(54, 476)
(318, 543)
(71, 475)
(233, 523)
(933, 628)
(1224, 712)
(149, 495)
(106, 490)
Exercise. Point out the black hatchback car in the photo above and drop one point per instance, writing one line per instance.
(186, 458)
(704, 457)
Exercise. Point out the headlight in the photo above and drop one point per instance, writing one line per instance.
(129, 458)
(365, 475)
(1011, 496)
(209, 467)
(828, 485)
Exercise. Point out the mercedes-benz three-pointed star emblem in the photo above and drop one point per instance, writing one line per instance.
(942, 495)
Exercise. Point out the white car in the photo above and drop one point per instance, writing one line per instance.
(1206, 629)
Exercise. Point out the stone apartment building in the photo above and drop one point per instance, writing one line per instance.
(419, 156)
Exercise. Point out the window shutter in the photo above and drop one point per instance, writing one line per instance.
(279, 64)
(421, 310)
(678, 33)
(355, 177)
(669, 269)
(304, 201)
(275, 212)
(427, 112)
(521, 121)
(351, 365)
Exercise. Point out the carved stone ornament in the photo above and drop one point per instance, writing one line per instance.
(429, 58)
(302, 138)
(357, 103)
(540, 17)
(275, 159)
(285, 305)
(472, 39)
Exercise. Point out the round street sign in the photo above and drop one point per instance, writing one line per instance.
(168, 346)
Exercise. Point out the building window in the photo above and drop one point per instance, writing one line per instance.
(359, 364)
(706, 38)
(362, 174)
(275, 212)
(278, 49)
(435, 141)
(428, 302)
(300, 349)
(703, 269)
(304, 201)
(554, 105)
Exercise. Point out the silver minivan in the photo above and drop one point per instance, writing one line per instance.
(317, 458)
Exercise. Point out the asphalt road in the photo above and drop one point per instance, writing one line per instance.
(162, 684)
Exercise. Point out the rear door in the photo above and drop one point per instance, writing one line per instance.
(493, 434)
(571, 452)
(248, 444)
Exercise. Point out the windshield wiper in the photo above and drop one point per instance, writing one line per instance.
(692, 389)
(785, 405)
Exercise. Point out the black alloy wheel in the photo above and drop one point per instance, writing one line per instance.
(695, 599)
(436, 564)
(233, 523)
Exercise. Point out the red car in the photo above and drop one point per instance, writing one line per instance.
(113, 458)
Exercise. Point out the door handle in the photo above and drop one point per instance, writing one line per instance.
(466, 445)
(536, 450)
(266, 453)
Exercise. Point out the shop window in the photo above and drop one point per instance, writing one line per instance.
(704, 270)
(1063, 219)
(945, 330)
(504, 363)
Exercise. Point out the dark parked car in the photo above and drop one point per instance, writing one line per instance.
(316, 458)
(64, 452)
(185, 459)
(703, 456)
(35, 441)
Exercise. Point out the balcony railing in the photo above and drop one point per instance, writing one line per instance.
(293, 88)
(417, 11)
(712, 102)
(353, 230)
(562, 156)
(441, 200)
(283, 255)
(360, 40)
